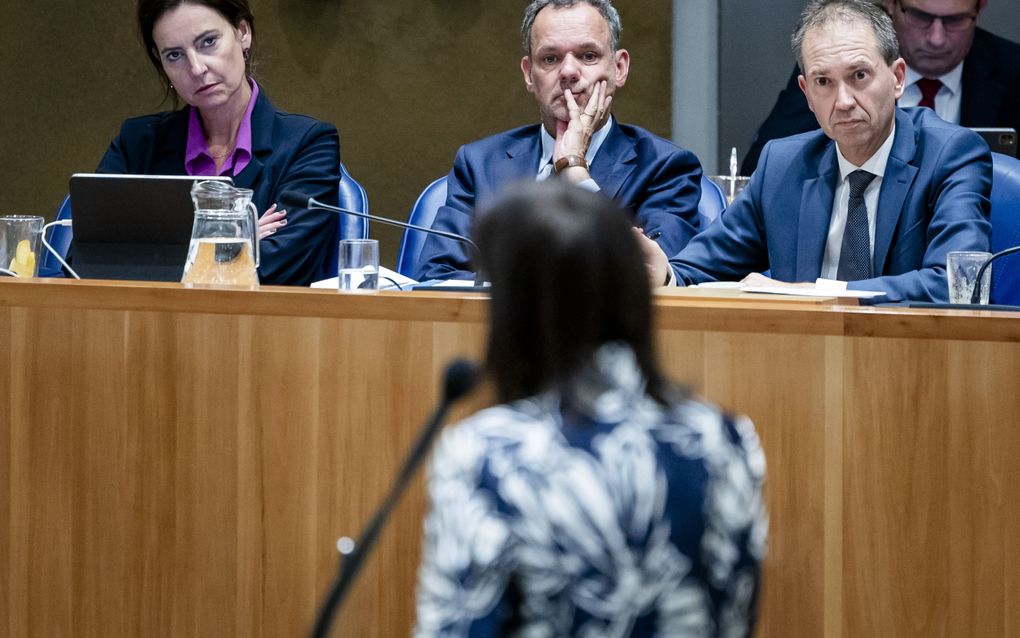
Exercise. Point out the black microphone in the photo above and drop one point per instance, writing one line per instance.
(293, 199)
(975, 297)
(460, 377)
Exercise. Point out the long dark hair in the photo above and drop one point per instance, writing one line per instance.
(234, 11)
(567, 277)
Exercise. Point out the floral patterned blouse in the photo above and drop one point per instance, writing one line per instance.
(618, 517)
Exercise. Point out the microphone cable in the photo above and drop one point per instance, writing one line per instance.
(53, 251)
(975, 297)
(61, 222)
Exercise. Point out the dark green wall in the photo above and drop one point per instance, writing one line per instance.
(406, 82)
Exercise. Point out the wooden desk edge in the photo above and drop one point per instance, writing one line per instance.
(712, 314)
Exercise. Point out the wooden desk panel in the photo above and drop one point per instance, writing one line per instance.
(182, 461)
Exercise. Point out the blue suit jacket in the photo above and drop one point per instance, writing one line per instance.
(933, 199)
(990, 96)
(289, 152)
(658, 181)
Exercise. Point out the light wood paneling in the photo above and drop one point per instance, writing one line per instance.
(180, 462)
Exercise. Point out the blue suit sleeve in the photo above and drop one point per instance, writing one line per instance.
(666, 205)
(733, 246)
(296, 254)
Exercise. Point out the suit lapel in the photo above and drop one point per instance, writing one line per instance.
(899, 175)
(521, 158)
(815, 215)
(262, 124)
(982, 93)
(168, 159)
(614, 162)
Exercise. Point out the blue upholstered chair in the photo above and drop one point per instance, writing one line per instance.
(60, 239)
(423, 213)
(352, 197)
(712, 202)
(1005, 228)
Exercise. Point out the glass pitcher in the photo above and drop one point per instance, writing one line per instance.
(224, 246)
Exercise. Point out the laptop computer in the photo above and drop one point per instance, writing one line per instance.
(1000, 140)
(132, 226)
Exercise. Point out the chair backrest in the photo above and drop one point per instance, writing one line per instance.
(423, 213)
(352, 197)
(1005, 228)
(712, 202)
(60, 238)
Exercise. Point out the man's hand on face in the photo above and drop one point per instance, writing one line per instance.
(574, 136)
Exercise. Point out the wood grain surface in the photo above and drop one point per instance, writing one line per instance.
(179, 462)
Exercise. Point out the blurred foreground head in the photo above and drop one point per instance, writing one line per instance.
(567, 277)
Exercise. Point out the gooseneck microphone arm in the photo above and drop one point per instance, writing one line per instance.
(975, 297)
(291, 198)
(460, 378)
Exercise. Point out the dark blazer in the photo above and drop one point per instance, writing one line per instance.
(991, 96)
(659, 182)
(289, 152)
(933, 199)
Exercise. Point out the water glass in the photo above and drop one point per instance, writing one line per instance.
(359, 265)
(731, 186)
(20, 241)
(961, 274)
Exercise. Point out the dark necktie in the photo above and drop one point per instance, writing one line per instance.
(929, 89)
(855, 256)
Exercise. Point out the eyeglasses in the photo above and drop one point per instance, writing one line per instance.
(922, 20)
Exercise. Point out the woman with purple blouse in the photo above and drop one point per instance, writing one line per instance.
(204, 50)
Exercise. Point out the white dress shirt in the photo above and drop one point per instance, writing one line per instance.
(545, 164)
(841, 204)
(947, 100)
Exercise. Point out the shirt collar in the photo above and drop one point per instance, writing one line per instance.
(198, 161)
(952, 80)
(875, 164)
(548, 141)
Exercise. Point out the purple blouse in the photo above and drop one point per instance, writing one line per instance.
(198, 161)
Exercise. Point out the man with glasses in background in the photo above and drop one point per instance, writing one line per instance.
(967, 75)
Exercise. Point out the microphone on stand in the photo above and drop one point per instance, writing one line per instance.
(975, 297)
(293, 199)
(460, 377)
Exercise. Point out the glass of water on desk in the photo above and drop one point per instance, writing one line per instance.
(961, 275)
(731, 185)
(359, 265)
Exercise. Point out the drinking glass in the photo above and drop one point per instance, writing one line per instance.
(359, 265)
(731, 186)
(20, 240)
(961, 275)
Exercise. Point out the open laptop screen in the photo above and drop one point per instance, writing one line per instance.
(132, 226)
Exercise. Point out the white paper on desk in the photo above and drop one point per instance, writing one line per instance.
(719, 285)
(454, 283)
(813, 292)
(385, 275)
